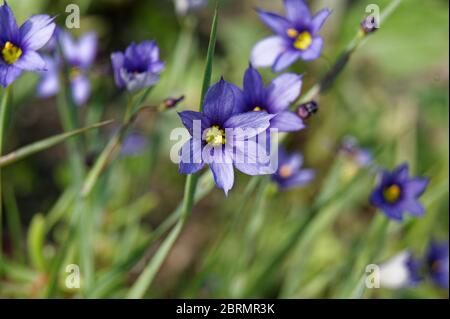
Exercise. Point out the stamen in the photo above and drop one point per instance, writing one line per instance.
(285, 171)
(303, 41)
(292, 33)
(11, 53)
(257, 109)
(215, 136)
(392, 193)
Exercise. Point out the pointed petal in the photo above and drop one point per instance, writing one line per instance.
(319, 20)
(415, 208)
(8, 25)
(117, 59)
(190, 157)
(81, 90)
(287, 122)
(285, 60)
(87, 49)
(254, 90)
(8, 74)
(48, 85)
(222, 101)
(276, 23)
(189, 117)
(252, 159)
(416, 187)
(314, 51)
(31, 61)
(297, 11)
(248, 124)
(37, 31)
(223, 175)
(301, 178)
(282, 91)
(266, 52)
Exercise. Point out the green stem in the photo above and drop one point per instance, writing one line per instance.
(4, 111)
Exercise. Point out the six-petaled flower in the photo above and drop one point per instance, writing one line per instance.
(295, 36)
(18, 46)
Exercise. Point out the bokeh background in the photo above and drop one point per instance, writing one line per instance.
(392, 98)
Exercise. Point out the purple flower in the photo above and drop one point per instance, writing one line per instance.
(79, 57)
(363, 157)
(18, 46)
(222, 136)
(397, 193)
(437, 262)
(139, 67)
(401, 271)
(290, 173)
(274, 99)
(296, 36)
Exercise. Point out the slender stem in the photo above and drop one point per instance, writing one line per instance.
(4, 111)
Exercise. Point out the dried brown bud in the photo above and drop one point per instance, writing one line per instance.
(172, 102)
(307, 110)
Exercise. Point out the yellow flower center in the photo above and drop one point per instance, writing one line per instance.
(392, 193)
(257, 109)
(74, 73)
(285, 171)
(215, 136)
(11, 53)
(303, 40)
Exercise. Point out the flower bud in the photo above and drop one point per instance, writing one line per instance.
(172, 102)
(307, 110)
(369, 24)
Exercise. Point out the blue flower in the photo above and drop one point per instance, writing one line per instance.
(290, 173)
(437, 263)
(79, 57)
(221, 136)
(296, 36)
(397, 193)
(139, 67)
(18, 46)
(274, 99)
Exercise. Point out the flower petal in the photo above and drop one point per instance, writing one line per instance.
(117, 59)
(416, 187)
(251, 158)
(8, 74)
(190, 157)
(266, 52)
(276, 23)
(49, 83)
(254, 90)
(189, 117)
(8, 25)
(319, 19)
(87, 49)
(301, 178)
(222, 101)
(286, 59)
(314, 51)
(248, 124)
(31, 61)
(282, 91)
(297, 11)
(415, 208)
(287, 122)
(223, 175)
(37, 31)
(81, 89)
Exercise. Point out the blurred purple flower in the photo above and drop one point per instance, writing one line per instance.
(79, 57)
(274, 99)
(133, 145)
(401, 271)
(363, 157)
(210, 142)
(437, 262)
(139, 67)
(183, 7)
(290, 173)
(18, 46)
(296, 36)
(397, 193)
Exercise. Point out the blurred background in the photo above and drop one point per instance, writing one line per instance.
(392, 99)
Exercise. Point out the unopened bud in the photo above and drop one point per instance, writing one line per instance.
(308, 109)
(172, 102)
(369, 24)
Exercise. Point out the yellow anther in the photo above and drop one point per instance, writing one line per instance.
(11, 53)
(392, 193)
(303, 41)
(257, 109)
(215, 136)
(285, 171)
(292, 33)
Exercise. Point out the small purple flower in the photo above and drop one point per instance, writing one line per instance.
(363, 157)
(274, 99)
(397, 193)
(139, 67)
(437, 262)
(183, 7)
(79, 57)
(18, 46)
(133, 145)
(296, 36)
(290, 173)
(220, 136)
